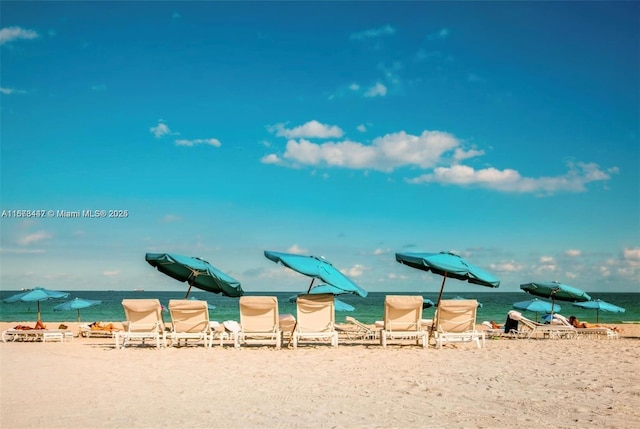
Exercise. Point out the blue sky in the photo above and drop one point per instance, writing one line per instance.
(506, 132)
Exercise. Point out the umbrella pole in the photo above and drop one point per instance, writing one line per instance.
(78, 315)
(188, 290)
(597, 315)
(38, 302)
(296, 322)
(435, 322)
(311, 284)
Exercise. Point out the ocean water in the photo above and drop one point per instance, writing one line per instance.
(495, 306)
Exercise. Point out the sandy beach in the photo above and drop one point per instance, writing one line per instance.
(87, 383)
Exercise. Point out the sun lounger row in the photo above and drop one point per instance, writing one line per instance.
(42, 335)
(260, 323)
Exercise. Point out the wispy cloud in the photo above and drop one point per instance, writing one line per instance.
(11, 91)
(113, 273)
(386, 30)
(441, 34)
(297, 250)
(35, 237)
(355, 271)
(311, 129)
(509, 180)
(9, 34)
(572, 253)
(194, 142)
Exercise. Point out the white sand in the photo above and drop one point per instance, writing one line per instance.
(87, 383)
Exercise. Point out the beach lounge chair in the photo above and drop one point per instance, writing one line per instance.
(456, 322)
(91, 330)
(144, 321)
(403, 319)
(540, 330)
(596, 333)
(315, 319)
(189, 321)
(259, 321)
(40, 335)
(362, 331)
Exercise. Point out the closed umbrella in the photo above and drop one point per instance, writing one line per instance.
(196, 272)
(76, 304)
(600, 305)
(36, 295)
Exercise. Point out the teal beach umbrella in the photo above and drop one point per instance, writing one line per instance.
(36, 294)
(77, 304)
(536, 305)
(599, 305)
(196, 272)
(555, 291)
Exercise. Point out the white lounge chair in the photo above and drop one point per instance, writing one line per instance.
(189, 321)
(540, 330)
(403, 319)
(456, 322)
(144, 321)
(259, 321)
(315, 319)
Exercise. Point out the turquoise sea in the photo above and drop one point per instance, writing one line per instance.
(495, 306)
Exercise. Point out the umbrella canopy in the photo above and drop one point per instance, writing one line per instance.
(427, 303)
(196, 272)
(76, 304)
(464, 299)
(555, 291)
(316, 268)
(36, 294)
(600, 305)
(209, 306)
(535, 305)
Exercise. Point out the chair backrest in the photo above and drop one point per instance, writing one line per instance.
(403, 312)
(188, 315)
(457, 315)
(259, 313)
(143, 314)
(316, 313)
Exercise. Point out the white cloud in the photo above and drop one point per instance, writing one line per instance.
(34, 238)
(379, 251)
(311, 129)
(546, 264)
(362, 128)
(384, 154)
(386, 30)
(9, 34)
(11, 91)
(356, 271)
(193, 142)
(171, 218)
(572, 253)
(509, 180)
(297, 250)
(160, 130)
(506, 267)
(376, 90)
(270, 159)
(354, 87)
(631, 254)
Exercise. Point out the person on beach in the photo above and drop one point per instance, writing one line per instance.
(578, 324)
(98, 326)
(39, 325)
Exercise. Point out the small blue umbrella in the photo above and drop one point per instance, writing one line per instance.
(535, 305)
(600, 305)
(427, 303)
(77, 304)
(36, 294)
(463, 298)
(196, 272)
(555, 291)
(209, 306)
(317, 268)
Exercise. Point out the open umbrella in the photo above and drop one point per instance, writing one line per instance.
(555, 291)
(427, 303)
(36, 294)
(600, 305)
(209, 306)
(535, 305)
(317, 268)
(76, 304)
(196, 272)
(447, 264)
(461, 298)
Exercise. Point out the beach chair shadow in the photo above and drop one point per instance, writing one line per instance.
(260, 321)
(315, 319)
(456, 322)
(143, 322)
(403, 319)
(189, 321)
